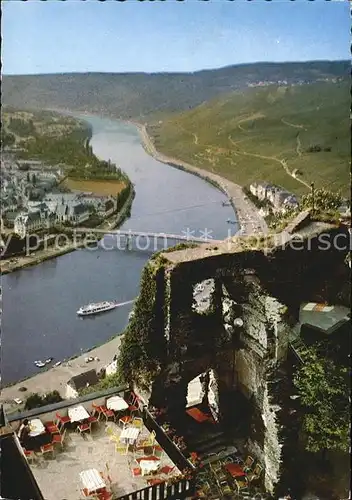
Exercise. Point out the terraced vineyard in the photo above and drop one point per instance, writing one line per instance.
(272, 134)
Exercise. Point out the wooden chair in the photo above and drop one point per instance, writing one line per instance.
(255, 474)
(248, 463)
(59, 438)
(241, 484)
(225, 488)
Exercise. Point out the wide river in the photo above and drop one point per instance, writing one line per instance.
(40, 303)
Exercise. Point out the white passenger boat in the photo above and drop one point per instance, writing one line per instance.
(97, 308)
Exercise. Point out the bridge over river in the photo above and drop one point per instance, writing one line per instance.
(146, 241)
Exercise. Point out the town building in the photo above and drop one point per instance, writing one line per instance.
(30, 222)
(80, 381)
(280, 199)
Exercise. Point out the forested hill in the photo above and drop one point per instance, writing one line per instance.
(141, 95)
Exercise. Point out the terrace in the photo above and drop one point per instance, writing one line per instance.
(96, 443)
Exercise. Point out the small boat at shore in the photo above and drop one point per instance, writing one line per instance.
(41, 364)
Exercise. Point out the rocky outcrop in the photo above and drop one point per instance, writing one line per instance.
(240, 341)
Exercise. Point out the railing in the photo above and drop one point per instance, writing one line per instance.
(165, 442)
(50, 410)
(178, 491)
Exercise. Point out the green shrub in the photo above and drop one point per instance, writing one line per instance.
(36, 400)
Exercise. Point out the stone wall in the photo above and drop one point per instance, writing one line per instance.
(243, 336)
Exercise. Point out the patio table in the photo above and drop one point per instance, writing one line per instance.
(129, 435)
(78, 413)
(116, 403)
(198, 415)
(36, 427)
(148, 466)
(236, 470)
(92, 480)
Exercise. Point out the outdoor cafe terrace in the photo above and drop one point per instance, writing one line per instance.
(103, 446)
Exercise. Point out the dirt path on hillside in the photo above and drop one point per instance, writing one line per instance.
(282, 162)
(292, 124)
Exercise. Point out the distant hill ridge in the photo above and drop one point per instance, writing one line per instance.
(141, 95)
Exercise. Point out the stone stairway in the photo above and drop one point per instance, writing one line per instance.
(298, 346)
(207, 444)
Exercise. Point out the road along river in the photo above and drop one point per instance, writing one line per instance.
(40, 303)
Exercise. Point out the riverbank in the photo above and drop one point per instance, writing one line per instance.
(10, 265)
(56, 378)
(247, 214)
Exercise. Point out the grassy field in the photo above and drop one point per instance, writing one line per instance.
(264, 134)
(102, 188)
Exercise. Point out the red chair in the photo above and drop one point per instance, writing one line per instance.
(133, 403)
(166, 469)
(29, 454)
(92, 420)
(153, 482)
(151, 457)
(83, 428)
(62, 421)
(47, 448)
(108, 413)
(97, 410)
(59, 438)
(104, 494)
(51, 427)
(136, 471)
(125, 420)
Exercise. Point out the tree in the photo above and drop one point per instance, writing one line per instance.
(324, 200)
(36, 400)
(323, 388)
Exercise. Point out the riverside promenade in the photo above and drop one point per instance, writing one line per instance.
(247, 214)
(56, 378)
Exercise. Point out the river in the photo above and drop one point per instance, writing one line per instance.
(40, 303)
